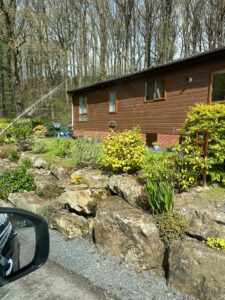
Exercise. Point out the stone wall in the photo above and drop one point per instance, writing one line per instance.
(112, 211)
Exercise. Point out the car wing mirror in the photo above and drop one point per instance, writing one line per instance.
(24, 243)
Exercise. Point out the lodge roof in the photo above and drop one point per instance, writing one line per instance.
(201, 56)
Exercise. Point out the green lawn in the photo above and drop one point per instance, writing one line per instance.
(69, 152)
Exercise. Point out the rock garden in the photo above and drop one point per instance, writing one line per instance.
(147, 208)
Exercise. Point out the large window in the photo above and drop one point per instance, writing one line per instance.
(155, 90)
(83, 108)
(112, 102)
(218, 85)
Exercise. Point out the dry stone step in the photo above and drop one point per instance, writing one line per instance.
(128, 233)
(197, 270)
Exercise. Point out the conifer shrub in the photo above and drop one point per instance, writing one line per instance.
(171, 227)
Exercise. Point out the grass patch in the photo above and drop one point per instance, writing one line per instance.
(215, 192)
(70, 152)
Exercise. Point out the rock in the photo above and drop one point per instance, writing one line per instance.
(76, 187)
(26, 155)
(198, 270)
(93, 178)
(129, 189)
(40, 163)
(47, 185)
(81, 201)
(37, 162)
(205, 218)
(128, 233)
(5, 203)
(6, 164)
(60, 172)
(72, 225)
(27, 200)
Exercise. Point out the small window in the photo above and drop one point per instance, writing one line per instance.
(112, 102)
(83, 108)
(155, 89)
(218, 85)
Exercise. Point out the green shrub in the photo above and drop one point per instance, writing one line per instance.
(63, 148)
(21, 130)
(4, 123)
(27, 163)
(171, 227)
(124, 152)
(15, 180)
(180, 169)
(89, 151)
(189, 164)
(37, 121)
(13, 156)
(216, 243)
(51, 132)
(159, 166)
(160, 196)
(39, 147)
(212, 118)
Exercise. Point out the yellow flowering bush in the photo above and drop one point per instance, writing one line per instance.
(40, 130)
(124, 151)
(216, 243)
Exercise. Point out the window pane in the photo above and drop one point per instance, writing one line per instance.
(159, 91)
(150, 90)
(83, 105)
(112, 102)
(218, 85)
(82, 117)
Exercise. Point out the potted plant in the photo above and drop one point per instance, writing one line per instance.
(156, 145)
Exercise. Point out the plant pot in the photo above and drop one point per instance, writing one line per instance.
(156, 147)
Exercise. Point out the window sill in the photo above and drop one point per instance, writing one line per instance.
(217, 101)
(113, 112)
(155, 100)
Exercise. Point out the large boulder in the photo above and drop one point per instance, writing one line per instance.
(205, 217)
(79, 201)
(94, 178)
(128, 233)
(198, 270)
(6, 164)
(37, 162)
(47, 185)
(128, 187)
(71, 224)
(4, 203)
(27, 200)
(59, 172)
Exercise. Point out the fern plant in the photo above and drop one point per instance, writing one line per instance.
(160, 196)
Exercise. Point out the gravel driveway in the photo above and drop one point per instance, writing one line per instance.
(115, 278)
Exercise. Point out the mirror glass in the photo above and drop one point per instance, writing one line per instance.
(17, 243)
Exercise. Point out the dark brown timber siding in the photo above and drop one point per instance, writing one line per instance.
(165, 117)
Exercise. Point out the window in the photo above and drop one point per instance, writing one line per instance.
(112, 102)
(83, 108)
(155, 89)
(218, 85)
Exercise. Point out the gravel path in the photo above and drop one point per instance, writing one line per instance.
(83, 257)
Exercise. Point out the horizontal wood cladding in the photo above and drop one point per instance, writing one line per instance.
(165, 117)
